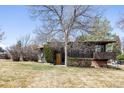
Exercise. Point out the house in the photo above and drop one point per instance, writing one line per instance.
(93, 50)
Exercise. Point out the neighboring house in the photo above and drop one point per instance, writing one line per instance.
(94, 50)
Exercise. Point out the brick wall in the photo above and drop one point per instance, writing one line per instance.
(98, 64)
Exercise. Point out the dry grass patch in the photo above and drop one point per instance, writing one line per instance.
(36, 75)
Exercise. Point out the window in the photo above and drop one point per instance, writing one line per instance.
(100, 48)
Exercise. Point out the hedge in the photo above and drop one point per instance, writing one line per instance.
(81, 62)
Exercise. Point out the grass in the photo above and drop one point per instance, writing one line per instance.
(37, 75)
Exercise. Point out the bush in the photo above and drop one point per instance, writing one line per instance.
(26, 53)
(87, 62)
(120, 57)
(48, 52)
(7, 56)
(29, 54)
(15, 53)
(34, 56)
(81, 62)
(3, 56)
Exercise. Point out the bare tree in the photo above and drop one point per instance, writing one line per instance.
(68, 20)
(1, 35)
(122, 46)
(120, 22)
(23, 43)
(25, 40)
(43, 35)
(120, 25)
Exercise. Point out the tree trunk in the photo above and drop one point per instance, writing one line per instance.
(65, 45)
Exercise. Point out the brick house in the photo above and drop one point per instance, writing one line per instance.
(93, 50)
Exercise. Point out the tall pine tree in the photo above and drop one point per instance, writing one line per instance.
(101, 30)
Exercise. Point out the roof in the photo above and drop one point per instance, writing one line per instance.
(99, 42)
(96, 42)
(40, 46)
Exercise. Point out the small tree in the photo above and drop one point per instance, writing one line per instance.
(48, 52)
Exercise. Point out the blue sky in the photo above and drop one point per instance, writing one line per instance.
(113, 14)
(16, 22)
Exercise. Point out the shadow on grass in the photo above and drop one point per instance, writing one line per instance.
(108, 67)
(115, 68)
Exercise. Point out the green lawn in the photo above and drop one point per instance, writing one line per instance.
(36, 75)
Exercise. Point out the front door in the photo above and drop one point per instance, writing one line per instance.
(58, 59)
